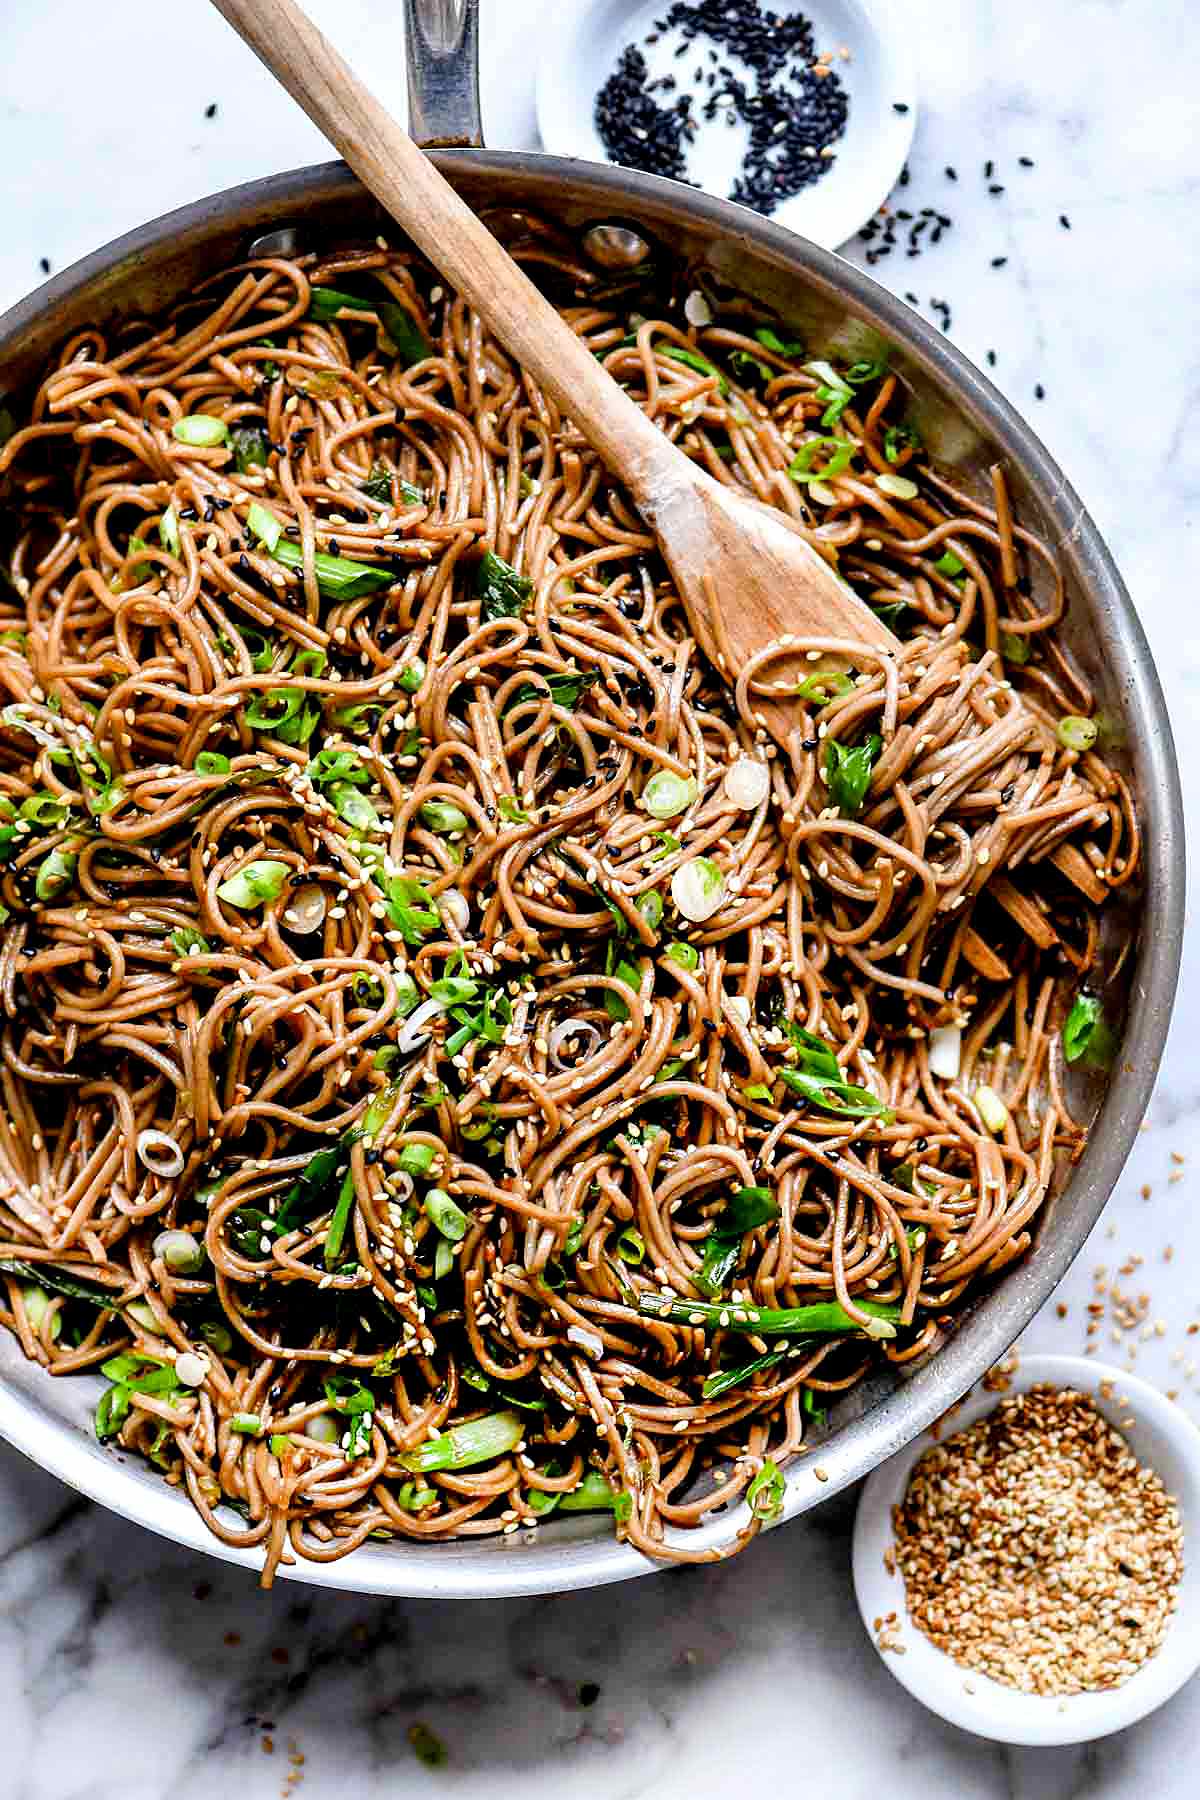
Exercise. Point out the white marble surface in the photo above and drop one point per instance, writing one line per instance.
(130, 1669)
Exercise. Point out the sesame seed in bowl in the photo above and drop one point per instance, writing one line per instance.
(1026, 1568)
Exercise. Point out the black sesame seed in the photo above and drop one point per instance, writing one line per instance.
(1064, 221)
(991, 359)
(998, 262)
(996, 188)
(210, 111)
(899, 106)
(989, 169)
(44, 265)
(951, 174)
(1039, 392)
(1026, 162)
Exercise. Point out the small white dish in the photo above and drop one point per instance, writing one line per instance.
(586, 38)
(1163, 1438)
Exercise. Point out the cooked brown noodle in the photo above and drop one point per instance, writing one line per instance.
(590, 1133)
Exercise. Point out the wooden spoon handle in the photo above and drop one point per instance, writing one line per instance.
(455, 241)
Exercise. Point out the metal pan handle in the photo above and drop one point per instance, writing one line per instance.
(443, 71)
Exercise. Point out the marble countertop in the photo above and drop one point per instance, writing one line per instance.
(130, 1669)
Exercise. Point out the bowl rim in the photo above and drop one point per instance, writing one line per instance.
(552, 1563)
(929, 1674)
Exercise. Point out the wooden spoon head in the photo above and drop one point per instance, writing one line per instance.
(750, 582)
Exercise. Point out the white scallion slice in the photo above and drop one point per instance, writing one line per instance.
(306, 909)
(168, 531)
(416, 1031)
(698, 888)
(589, 1341)
(582, 1036)
(992, 1109)
(158, 1152)
(747, 782)
(898, 486)
(455, 909)
(696, 309)
(945, 1051)
(201, 431)
(190, 1369)
(666, 794)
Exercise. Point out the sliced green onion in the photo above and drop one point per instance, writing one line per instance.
(168, 531)
(631, 1247)
(55, 874)
(771, 340)
(1082, 1020)
(446, 1215)
(251, 447)
(650, 905)
(724, 1379)
(36, 1302)
(181, 1251)
(246, 1424)
(686, 955)
(834, 1095)
(354, 808)
(444, 818)
(413, 674)
(666, 794)
(1015, 648)
(264, 526)
(824, 1318)
(417, 1159)
(396, 320)
(1077, 733)
(478, 1441)
(899, 438)
(848, 772)
(698, 889)
(511, 811)
(45, 810)
(212, 762)
(254, 885)
(765, 1494)
(200, 430)
(596, 1493)
(185, 939)
(454, 990)
(339, 1222)
(502, 592)
(949, 564)
(838, 454)
(337, 577)
(824, 685)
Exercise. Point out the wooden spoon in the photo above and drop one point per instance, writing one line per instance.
(745, 575)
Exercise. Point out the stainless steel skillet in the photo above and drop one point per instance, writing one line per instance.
(968, 425)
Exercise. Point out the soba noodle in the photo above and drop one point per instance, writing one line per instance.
(411, 1164)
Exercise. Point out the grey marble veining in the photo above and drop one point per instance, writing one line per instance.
(131, 1669)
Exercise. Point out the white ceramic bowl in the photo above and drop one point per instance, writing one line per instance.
(1164, 1438)
(586, 37)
